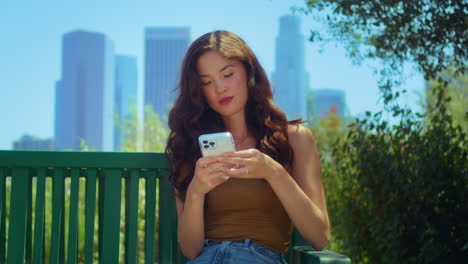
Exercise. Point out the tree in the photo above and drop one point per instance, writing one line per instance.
(153, 133)
(431, 33)
(327, 130)
(400, 191)
(456, 92)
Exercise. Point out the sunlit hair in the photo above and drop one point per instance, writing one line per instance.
(191, 116)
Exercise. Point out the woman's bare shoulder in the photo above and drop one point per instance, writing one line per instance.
(299, 134)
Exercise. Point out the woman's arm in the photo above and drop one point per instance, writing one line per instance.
(302, 195)
(190, 229)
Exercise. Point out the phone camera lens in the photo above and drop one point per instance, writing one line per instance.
(206, 146)
(212, 143)
(205, 141)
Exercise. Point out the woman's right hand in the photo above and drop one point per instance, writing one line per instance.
(207, 176)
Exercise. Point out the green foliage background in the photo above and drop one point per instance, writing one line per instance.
(397, 193)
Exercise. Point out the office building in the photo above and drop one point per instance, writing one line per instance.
(125, 94)
(28, 142)
(165, 48)
(290, 81)
(324, 101)
(84, 102)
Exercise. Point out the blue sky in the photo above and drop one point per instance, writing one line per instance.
(31, 37)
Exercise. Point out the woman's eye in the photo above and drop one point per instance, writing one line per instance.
(206, 83)
(228, 75)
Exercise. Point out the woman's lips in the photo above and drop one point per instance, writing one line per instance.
(226, 100)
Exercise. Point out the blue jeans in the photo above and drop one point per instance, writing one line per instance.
(228, 252)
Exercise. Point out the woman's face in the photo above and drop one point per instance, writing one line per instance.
(224, 83)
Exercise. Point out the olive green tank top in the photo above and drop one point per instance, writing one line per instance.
(247, 208)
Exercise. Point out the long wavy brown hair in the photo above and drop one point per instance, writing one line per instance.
(191, 116)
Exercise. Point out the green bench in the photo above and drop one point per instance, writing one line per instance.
(101, 207)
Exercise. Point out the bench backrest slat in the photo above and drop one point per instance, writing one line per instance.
(2, 214)
(20, 185)
(90, 209)
(38, 254)
(73, 218)
(57, 244)
(167, 218)
(131, 216)
(150, 216)
(111, 216)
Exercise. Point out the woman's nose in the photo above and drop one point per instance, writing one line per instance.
(220, 86)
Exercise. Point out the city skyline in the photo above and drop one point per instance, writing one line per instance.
(30, 100)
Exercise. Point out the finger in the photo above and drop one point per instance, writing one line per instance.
(206, 161)
(234, 160)
(218, 174)
(218, 177)
(239, 172)
(217, 181)
(241, 154)
(211, 179)
(212, 168)
(217, 166)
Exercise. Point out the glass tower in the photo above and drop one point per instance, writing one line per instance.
(84, 102)
(165, 48)
(125, 93)
(290, 81)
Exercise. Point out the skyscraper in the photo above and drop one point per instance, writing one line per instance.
(85, 94)
(290, 81)
(125, 92)
(164, 52)
(325, 100)
(61, 124)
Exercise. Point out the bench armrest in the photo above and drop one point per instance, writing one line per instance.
(308, 255)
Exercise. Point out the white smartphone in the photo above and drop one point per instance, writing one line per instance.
(216, 143)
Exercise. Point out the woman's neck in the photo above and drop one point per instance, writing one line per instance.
(237, 125)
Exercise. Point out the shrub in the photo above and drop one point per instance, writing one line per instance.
(398, 194)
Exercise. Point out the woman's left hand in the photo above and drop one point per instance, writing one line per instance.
(250, 164)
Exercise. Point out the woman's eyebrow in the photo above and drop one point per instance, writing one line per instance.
(222, 69)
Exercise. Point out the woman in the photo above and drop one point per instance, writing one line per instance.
(240, 207)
